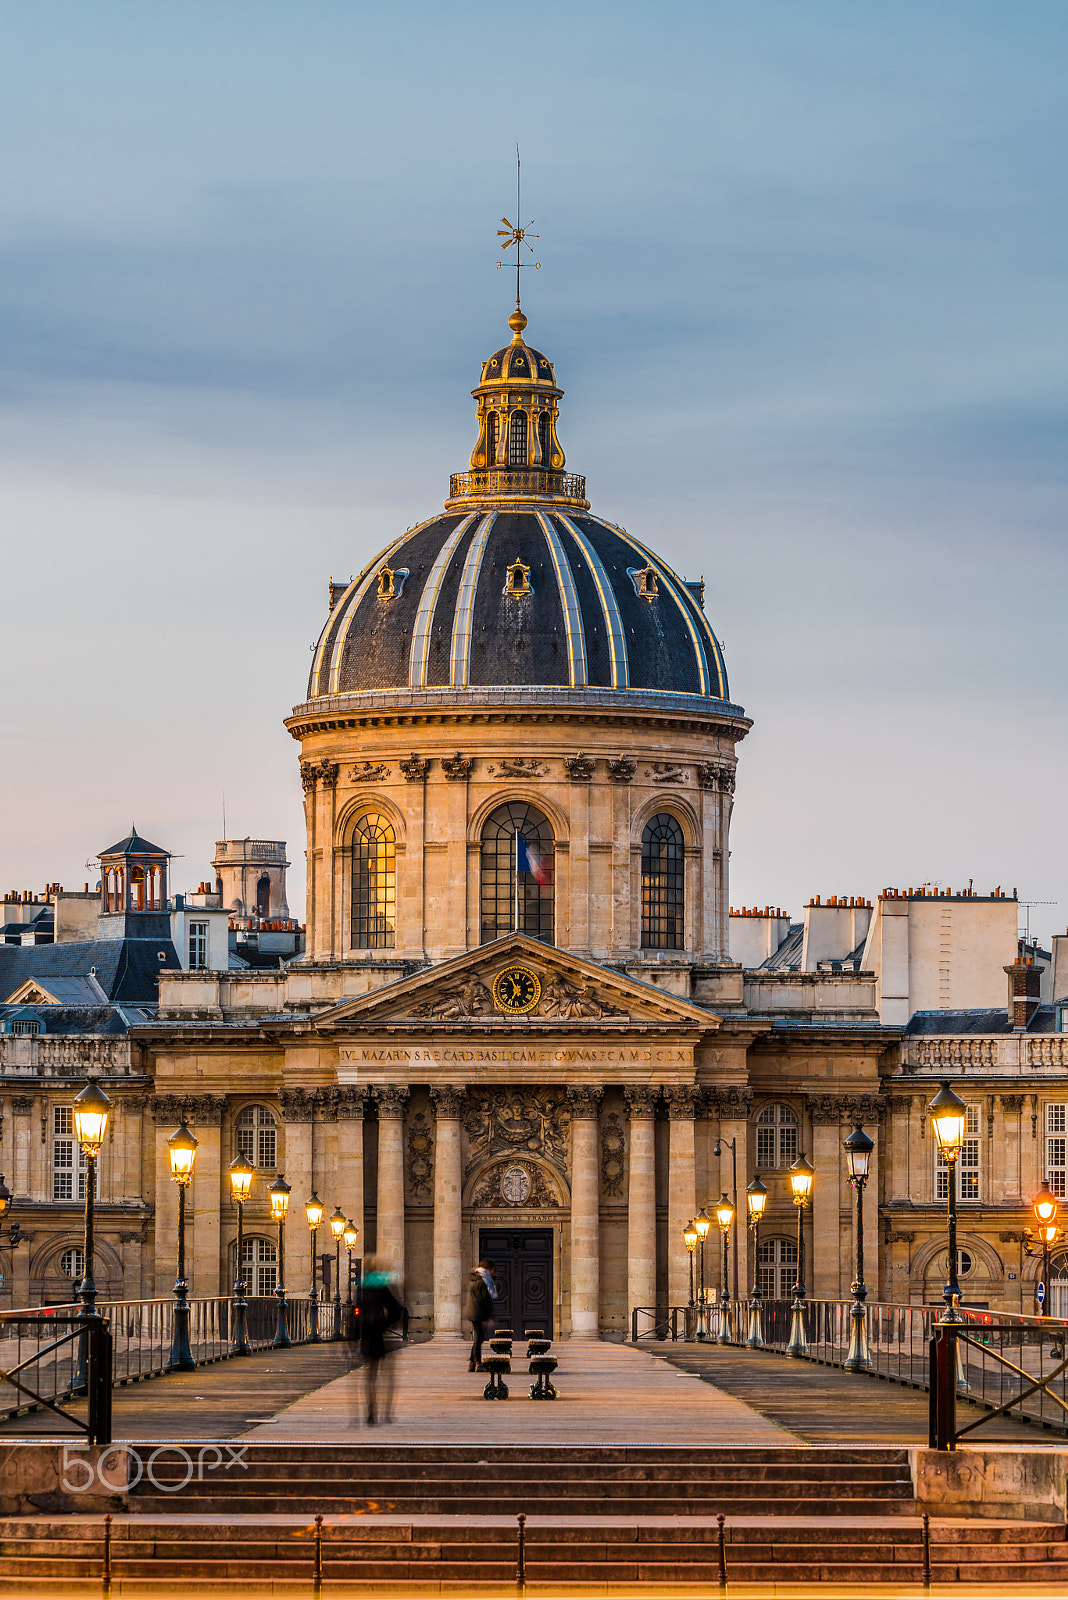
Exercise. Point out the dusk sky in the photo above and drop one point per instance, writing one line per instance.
(803, 278)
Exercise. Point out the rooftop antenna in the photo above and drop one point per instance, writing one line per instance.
(1027, 904)
(224, 813)
(517, 233)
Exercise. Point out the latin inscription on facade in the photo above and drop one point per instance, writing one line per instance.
(530, 1055)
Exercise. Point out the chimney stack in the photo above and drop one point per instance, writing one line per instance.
(1025, 987)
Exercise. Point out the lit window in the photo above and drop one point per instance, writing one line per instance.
(257, 1136)
(198, 946)
(776, 1131)
(1056, 1147)
(501, 905)
(776, 1268)
(663, 896)
(967, 1161)
(374, 884)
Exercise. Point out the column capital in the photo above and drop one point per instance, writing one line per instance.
(727, 1100)
(391, 1099)
(641, 1102)
(448, 1100)
(585, 1101)
(350, 1103)
(22, 1106)
(680, 1100)
(1012, 1102)
(298, 1105)
(206, 1109)
(168, 1107)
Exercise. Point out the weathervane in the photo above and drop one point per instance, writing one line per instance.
(516, 234)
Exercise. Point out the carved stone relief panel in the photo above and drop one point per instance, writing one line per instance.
(514, 1183)
(535, 1121)
(420, 1156)
(613, 1148)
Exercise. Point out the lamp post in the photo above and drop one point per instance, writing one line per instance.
(702, 1222)
(313, 1210)
(689, 1239)
(858, 1148)
(756, 1198)
(337, 1228)
(182, 1150)
(949, 1116)
(352, 1233)
(91, 1110)
(241, 1174)
(732, 1146)
(279, 1193)
(1045, 1210)
(725, 1216)
(801, 1175)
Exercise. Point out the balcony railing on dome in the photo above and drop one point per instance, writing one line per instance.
(524, 483)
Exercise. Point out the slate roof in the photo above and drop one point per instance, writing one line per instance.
(134, 845)
(92, 1019)
(975, 1021)
(127, 970)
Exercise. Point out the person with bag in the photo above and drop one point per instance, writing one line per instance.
(481, 1293)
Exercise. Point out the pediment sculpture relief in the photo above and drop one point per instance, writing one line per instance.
(561, 1001)
(566, 1001)
(471, 999)
(517, 1120)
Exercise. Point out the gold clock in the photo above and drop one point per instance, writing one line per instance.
(516, 990)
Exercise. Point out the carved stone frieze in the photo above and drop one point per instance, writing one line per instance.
(514, 1183)
(518, 767)
(168, 1107)
(414, 768)
(667, 772)
(420, 1155)
(580, 768)
(897, 1236)
(391, 1098)
(585, 1100)
(622, 769)
(715, 775)
(728, 1100)
(369, 772)
(681, 1101)
(207, 1109)
(1012, 1236)
(457, 768)
(517, 1120)
(831, 1109)
(641, 1103)
(448, 1101)
(613, 1147)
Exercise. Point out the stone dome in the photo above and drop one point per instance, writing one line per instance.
(516, 584)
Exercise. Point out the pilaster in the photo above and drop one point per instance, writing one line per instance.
(682, 1189)
(585, 1213)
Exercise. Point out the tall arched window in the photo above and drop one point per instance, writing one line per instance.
(259, 1261)
(531, 906)
(663, 895)
(263, 896)
(543, 438)
(154, 881)
(257, 1136)
(517, 440)
(113, 890)
(491, 439)
(137, 888)
(776, 1131)
(776, 1268)
(374, 883)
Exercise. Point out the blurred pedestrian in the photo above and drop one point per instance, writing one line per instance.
(379, 1310)
(481, 1293)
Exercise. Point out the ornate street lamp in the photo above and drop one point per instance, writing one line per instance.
(337, 1228)
(1045, 1210)
(279, 1193)
(689, 1239)
(702, 1222)
(756, 1198)
(242, 1173)
(858, 1148)
(801, 1175)
(313, 1210)
(351, 1234)
(725, 1216)
(949, 1116)
(182, 1150)
(91, 1110)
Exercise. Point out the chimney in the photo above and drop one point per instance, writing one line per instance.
(1025, 981)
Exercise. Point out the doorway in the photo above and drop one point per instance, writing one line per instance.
(523, 1261)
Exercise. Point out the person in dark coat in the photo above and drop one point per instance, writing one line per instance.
(378, 1310)
(481, 1293)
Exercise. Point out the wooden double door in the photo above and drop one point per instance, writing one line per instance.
(523, 1262)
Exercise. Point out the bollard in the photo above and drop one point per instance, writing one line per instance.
(105, 1585)
(927, 1549)
(317, 1582)
(521, 1554)
(721, 1519)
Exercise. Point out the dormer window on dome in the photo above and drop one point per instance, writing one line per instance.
(644, 581)
(518, 458)
(518, 581)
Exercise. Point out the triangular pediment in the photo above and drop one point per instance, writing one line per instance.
(492, 986)
(31, 993)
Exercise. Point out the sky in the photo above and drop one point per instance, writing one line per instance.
(804, 283)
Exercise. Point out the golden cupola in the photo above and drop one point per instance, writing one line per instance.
(518, 457)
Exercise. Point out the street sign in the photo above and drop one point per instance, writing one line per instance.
(1041, 1293)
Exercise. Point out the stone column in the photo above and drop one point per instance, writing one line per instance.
(829, 1258)
(205, 1199)
(585, 1213)
(448, 1183)
(391, 1100)
(641, 1199)
(350, 1109)
(682, 1193)
(298, 1110)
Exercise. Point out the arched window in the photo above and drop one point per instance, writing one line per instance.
(517, 440)
(776, 1268)
(543, 438)
(663, 896)
(72, 1263)
(154, 880)
(491, 439)
(374, 883)
(531, 906)
(1058, 1287)
(259, 1266)
(137, 888)
(263, 897)
(776, 1137)
(257, 1136)
(114, 890)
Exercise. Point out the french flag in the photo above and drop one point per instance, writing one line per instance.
(528, 858)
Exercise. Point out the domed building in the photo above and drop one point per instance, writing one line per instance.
(516, 1030)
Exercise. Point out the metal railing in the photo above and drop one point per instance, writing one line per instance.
(1009, 1362)
(52, 1355)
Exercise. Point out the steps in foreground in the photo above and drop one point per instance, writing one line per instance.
(361, 1555)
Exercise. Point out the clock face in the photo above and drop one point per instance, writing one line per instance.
(516, 989)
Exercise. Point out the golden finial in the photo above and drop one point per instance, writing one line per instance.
(519, 235)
